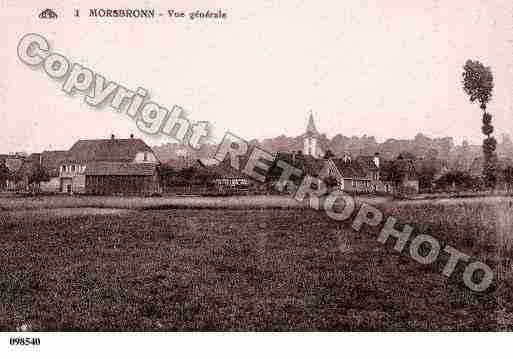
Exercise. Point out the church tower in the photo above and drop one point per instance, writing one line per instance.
(310, 139)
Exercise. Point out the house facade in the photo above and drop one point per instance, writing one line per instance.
(112, 178)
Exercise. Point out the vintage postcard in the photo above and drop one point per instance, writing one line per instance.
(273, 166)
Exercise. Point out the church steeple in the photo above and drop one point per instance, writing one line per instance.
(310, 127)
(310, 138)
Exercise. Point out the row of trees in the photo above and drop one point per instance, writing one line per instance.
(189, 176)
(34, 177)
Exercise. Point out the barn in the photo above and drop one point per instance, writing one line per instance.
(107, 178)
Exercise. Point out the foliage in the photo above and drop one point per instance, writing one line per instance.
(508, 177)
(38, 175)
(331, 182)
(460, 179)
(395, 173)
(186, 176)
(407, 191)
(5, 174)
(406, 156)
(329, 154)
(477, 82)
(426, 176)
(432, 154)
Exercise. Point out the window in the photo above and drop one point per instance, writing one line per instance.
(72, 168)
(63, 168)
(145, 156)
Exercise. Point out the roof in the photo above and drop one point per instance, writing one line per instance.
(51, 160)
(109, 150)
(120, 169)
(349, 169)
(308, 164)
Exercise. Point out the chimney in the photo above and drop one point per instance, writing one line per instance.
(112, 137)
(376, 159)
(293, 157)
(132, 136)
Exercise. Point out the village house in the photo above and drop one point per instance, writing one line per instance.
(359, 175)
(110, 166)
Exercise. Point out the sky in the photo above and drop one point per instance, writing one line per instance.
(380, 68)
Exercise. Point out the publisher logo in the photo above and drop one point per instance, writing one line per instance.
(48, 14)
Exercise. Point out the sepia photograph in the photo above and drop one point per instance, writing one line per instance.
(291, 167)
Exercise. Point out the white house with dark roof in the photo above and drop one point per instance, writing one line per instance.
(360, 175)
(110, 166)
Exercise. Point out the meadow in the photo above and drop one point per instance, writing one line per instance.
(160, 267)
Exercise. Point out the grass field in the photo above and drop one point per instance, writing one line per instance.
(172, 202)
(134, 268)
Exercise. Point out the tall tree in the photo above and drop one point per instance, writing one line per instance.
(508, 178)
(478, 85)
(5, 175)
(38, 175)
(396, 174)
(426, 176)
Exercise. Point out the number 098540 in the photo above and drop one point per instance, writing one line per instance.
(24, 341)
